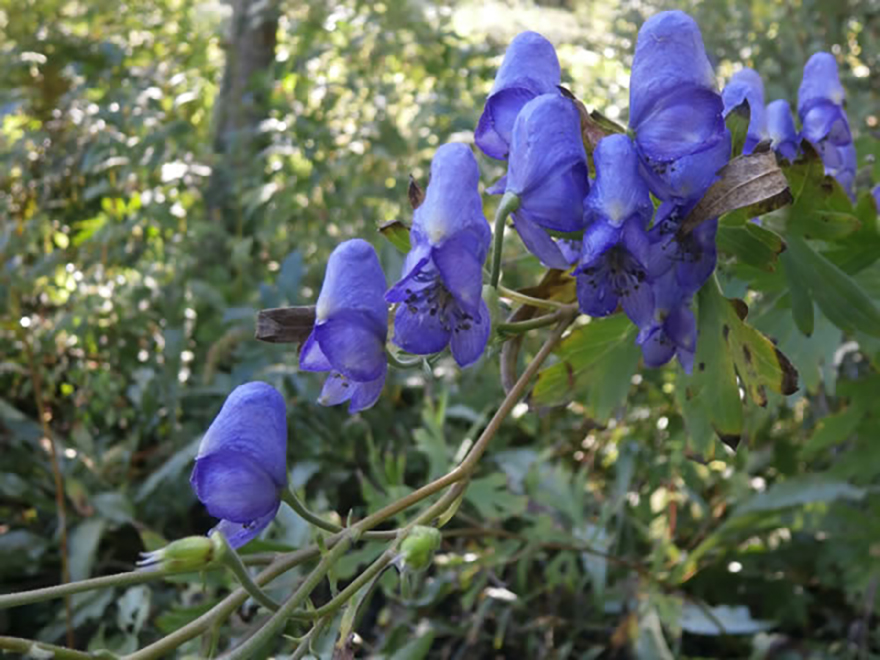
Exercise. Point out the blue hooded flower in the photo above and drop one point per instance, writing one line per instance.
(746, 85)
(618, 208)
(241, 466)
(840, 162)
(673, 333)
(351, 327)
(676, 111)
(530, 68)
(691, 259)
(820, 102)
(613, 271)
(619, 192)
(548, 173)
(440, 291)
(780, 128)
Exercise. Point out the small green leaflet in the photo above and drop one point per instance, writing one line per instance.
(396, 233)
(598, 358)
(751, 244)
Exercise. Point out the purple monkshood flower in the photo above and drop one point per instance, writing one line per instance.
(241, 466)
(673, 331)
(823, 119)
(612, 268)
(691, 259)
(530, 68)
(548, 174)
(619, 192)
(351, 326)
(439, 295)
(675, 108)
(746, 86)
(820, 102)
(876, 193)
(780, 128)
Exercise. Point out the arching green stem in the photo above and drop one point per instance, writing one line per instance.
(508, 204)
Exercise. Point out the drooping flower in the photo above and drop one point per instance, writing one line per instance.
(530, 68)
(612, 271)
(823, 119)
(746, 86)
(241, 465)
(440, 291)
(691, 259)
(820, 102)
(673, 333)
(548, 174)
(619, 192)
(676, 111)
(780, 128)
(618, 208)
(351, 327)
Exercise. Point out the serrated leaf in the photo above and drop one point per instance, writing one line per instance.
(493, 499)
(837, 294)
(602, 353)
(396, 233)
(759, 364)
(751, 244)
(820, 208)
(713, 386)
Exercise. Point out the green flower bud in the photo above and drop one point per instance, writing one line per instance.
(418, 548)
(188, 554)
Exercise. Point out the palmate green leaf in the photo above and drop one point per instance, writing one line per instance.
(833, 430)
(713, 387)
(596, 362)
(841, 299)
(728, 347)
(821, 208)
(492, 498)
(751, 244)
(860, 249)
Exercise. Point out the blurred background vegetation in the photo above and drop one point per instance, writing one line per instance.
(167, 168)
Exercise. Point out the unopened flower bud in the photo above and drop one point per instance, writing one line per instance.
(187, 554)
(418, 548)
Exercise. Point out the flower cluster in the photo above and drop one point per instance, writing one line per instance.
(622, 252)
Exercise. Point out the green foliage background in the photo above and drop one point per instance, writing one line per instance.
(597, 528)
